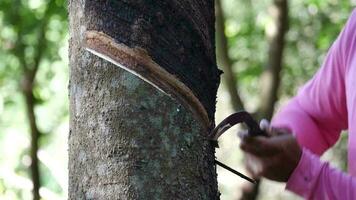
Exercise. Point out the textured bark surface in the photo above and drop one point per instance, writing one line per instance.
(127, 139)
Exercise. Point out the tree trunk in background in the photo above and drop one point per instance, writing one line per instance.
(27, 90)
(127, 139)
(30, 68)
(271, 76)
(224, 59)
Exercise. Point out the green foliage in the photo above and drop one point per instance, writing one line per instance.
(32, 30)
(314, 25)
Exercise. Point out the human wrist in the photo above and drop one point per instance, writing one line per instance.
(303, 176)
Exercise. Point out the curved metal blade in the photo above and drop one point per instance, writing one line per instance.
(227, 123)
(236, 118)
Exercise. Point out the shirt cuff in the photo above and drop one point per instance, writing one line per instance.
(304, 177)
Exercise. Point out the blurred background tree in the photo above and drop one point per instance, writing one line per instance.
(33, 99)
(34, 79)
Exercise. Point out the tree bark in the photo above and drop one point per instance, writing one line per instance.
(127, 139)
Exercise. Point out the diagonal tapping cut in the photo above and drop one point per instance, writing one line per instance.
(138, 62)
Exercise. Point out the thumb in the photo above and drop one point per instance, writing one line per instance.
(264, 125)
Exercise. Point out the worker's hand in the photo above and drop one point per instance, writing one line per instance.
(273, 157)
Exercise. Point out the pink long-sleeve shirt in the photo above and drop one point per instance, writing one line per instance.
(324, 107)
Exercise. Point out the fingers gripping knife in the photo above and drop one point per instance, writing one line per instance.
(230, 121)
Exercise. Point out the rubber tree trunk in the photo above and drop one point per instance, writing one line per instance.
(128, 139)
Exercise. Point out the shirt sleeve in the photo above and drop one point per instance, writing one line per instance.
(313, 179)
(316, 116)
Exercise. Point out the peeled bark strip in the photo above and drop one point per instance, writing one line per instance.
(127, 139)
